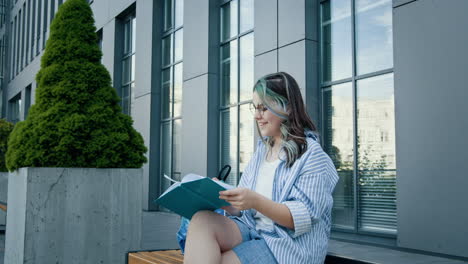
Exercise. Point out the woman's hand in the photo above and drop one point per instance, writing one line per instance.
(240, 198)
(230, 209)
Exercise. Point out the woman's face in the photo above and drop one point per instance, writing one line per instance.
(268, 122)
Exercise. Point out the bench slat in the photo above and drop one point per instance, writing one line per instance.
(153, 257)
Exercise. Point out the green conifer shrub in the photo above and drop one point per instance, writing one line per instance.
(5, 130)
(76, 120)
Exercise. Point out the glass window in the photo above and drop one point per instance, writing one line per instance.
(167, 93)
(44, 30)
(246, 15)
(179, 15)
(128, 64)
(176, 150)
(28, 26)
(338, 143)
(374, 36)
(376, 154)
(33, 25)
(229, 20)
(246, 67)
(178, 42)
(13, 42)
(38, 33)
(52, 10)
(229, 142)
(168, 14)
(166, 157)
(18, 39)
(246, 139)
(237, 79)
(229, 80)
(358, 112)
(336, 40)
(27, 101)
(167, 50)
(172, 87)
(15, 109)
(23, 24)
(178, 82)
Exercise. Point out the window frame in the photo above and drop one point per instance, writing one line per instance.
(353, 80)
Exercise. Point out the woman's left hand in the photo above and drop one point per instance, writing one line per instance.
(240, 198)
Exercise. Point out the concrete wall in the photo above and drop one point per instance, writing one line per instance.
(431, 62)
(3, 197)
(73, 215)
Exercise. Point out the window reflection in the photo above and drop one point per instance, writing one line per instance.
(336, 40)
(376, 153)
(229, 139)
(246, 15)
(166, 159)
(237, 73)
(167, 93)
(229, 71)
(167, 50)
(178, 89)
(338, 143)
(179, 13)
(246, 67)
(176, 150)
(229, 20)
(246, 139)
(178, 42)
(374, 40)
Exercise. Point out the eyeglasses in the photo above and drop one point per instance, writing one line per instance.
(260, 108)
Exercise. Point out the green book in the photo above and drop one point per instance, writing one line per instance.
(192, 194)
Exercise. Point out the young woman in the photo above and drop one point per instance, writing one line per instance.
(281, 210)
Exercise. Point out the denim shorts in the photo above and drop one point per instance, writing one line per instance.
(253, 248)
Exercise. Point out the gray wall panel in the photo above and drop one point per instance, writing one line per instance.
(430, 102)
(291, 17)
(266, 26)
(196, 28)
(194, 126)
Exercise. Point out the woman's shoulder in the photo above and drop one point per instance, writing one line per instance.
(316, 160)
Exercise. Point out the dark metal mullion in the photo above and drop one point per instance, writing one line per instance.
(320, 78)
(173, 7)
(171, 30)
(238, 35)
(373, 74)
(341, 81)
(128, 55)
(238, 91)
(354, 96)
(224, 2)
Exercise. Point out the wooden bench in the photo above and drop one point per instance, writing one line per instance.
(3, 206)
(156, 257)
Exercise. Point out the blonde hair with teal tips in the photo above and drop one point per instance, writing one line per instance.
(280, 93)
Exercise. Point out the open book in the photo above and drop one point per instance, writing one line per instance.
(192, 194)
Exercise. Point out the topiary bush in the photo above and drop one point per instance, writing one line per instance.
(5, 130)
(76, 120)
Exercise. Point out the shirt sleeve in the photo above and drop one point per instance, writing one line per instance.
(309, 199)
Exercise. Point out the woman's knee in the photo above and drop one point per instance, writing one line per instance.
(203, 217)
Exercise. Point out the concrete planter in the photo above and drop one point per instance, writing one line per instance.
(73, 215)
(3, 197)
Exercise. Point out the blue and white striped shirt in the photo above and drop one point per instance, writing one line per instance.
(306, 188)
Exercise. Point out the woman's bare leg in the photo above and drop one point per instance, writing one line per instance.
(208, 236)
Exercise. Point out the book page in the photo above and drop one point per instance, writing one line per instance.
(191, 177)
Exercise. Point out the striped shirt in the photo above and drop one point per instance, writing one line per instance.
(306, 188)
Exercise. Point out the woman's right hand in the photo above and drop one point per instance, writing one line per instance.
(230, 209)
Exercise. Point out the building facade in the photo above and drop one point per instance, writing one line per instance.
(383, 80)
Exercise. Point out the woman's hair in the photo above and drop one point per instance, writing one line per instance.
(280, 93)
